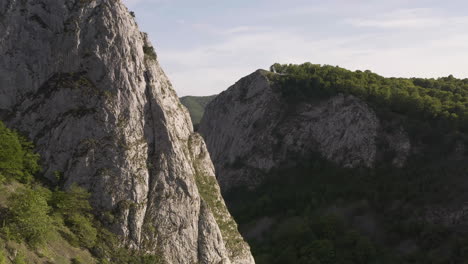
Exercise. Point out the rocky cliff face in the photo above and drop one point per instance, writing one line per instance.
(250, 129)
(81, 80)
(314, 153)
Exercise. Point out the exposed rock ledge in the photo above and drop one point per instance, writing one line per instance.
(250, 129)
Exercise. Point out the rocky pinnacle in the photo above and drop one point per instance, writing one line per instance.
(84, 83)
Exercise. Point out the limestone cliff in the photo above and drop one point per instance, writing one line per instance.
(250, 129)
(304, 149)
(80, 79)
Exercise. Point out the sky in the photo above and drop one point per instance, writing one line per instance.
(205, 46)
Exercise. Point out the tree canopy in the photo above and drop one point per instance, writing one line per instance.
(443, 99)
(17, 158)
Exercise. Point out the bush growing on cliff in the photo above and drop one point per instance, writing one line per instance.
(28, 218)
(83, 228)
(17, 158)
(11, 154)
(2, 257)
(20, 259)
(149, 52)
(32, 212)
(74, 207)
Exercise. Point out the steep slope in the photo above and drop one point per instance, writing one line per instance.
(252, 128)
(84, 84)
(33, 230)
(196, 106)
(55, 249)
(343, 167)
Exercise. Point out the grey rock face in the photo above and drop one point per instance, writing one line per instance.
(81, 80)
(250, 129)
(209, 190)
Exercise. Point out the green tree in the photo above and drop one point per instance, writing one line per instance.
(74, 200)
(2, 257)
(17, 158)
(83, 228)
(425, 99)
(28, 216)
(324, 250)
(76, 210)
(11, 153)
(30, 159)
(20, 259)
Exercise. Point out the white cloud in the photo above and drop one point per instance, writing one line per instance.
(419, 18)
(133, 3)
(204, 56)
(213, 68)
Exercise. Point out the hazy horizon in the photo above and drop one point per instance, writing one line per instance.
(208, 45)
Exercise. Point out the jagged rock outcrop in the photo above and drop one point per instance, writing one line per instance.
(251, 128)
(80, 79)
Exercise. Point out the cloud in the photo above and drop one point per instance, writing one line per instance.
(243, 29)
(133, 3)
(213, 68)
(205, 51)
(419, 18)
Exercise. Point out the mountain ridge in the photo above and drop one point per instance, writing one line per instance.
(196, 106)
(84, 83)
(343, 166)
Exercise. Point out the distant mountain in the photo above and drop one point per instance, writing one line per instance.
(319, 164)
(196, 106)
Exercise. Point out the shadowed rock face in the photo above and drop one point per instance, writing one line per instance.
(81, 80)
(250, 128)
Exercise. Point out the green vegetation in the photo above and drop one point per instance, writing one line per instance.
(443, 101)
(149, 52)
(207, 186)
(2, 257)
(74, 207)
(211, 196)
(20, 259)
(17, 160)
(28, 218)
(76, 261)
(321, 213)
(196, 106)
(317, 212)
(47, 224)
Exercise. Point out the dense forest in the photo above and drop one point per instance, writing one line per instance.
(317, 212)
(42, 223)
(444, 100)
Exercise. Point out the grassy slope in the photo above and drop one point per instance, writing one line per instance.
(56, 250)
(196, 106)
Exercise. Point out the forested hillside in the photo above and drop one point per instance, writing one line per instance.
(444, 100)
(308, 208)
(320, 213)
(196, 106)
(42, 223)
